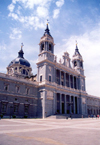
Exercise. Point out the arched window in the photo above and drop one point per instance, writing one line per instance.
(42, 47)
(75, 63)
(15, 69)
(50, 47)
(81, 64)
(24, 72)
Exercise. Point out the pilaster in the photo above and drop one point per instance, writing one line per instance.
(60, 103)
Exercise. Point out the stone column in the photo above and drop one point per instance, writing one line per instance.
(55, 103)
(43, 105)
(60, 103)
(60, 77)
(74, 103)
(76, 83)
(69, 81)
(65, 103)
(73, 82)
(77, 105)
(54, 75)
(64, 79)
(69, 104)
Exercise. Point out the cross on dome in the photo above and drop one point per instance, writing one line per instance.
(22, 45)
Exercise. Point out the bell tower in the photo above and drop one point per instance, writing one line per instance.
(77, 61)
(46, 46)
(45, 57)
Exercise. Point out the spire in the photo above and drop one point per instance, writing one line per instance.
(76, 50)
(47, 31)
(21, 51)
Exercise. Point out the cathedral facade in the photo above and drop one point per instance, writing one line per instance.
(57, 88)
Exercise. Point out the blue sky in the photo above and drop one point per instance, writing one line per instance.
(70, 20)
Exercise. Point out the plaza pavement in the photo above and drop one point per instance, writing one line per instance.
(84, 131)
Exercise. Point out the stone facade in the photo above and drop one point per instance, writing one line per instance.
(58, 88)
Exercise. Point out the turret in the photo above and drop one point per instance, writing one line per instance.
(77, 61)
(46, 46)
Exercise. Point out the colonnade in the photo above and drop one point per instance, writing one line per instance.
(65, 79)
(66, 104)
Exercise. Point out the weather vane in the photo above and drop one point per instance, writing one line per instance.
(22, 45)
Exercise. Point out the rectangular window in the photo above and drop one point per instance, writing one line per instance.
(15, 108)
(26, 109)
(40, 78)
(6, 87)
(4, 107)
(49, 78)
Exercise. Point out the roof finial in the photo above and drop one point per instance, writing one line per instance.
(22, 45)
(76, 42)
(47, 21)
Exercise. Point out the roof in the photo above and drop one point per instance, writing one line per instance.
(20, 60)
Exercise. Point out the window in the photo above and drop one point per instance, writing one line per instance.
(6, 87)
(42, 47)
(27, 91)
(75, 63)
(49, 78)
(17, 89)
(15, 99)
(26, 108)
(24, 72)
(81, 64)
(15, 69)
(50, 47)
(4, 107)
(15, 108)
(40, 78)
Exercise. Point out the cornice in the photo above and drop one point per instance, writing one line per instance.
(15, 95)
(62, 88)
(61, 67)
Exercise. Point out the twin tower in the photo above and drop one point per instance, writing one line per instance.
(47, 62)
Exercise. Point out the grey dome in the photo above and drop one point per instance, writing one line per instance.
(20, 60)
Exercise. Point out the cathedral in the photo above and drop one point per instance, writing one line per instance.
(58, 88)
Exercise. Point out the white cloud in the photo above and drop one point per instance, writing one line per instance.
(56, 13)
(31, 3)
(18, 10)
(39, 11)
(89, 47)
(11, 7)
(16, 34)
(3, 46)
(42, 11)
(60, 3)
(13, 15)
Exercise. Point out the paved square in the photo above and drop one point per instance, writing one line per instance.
(50, 131)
